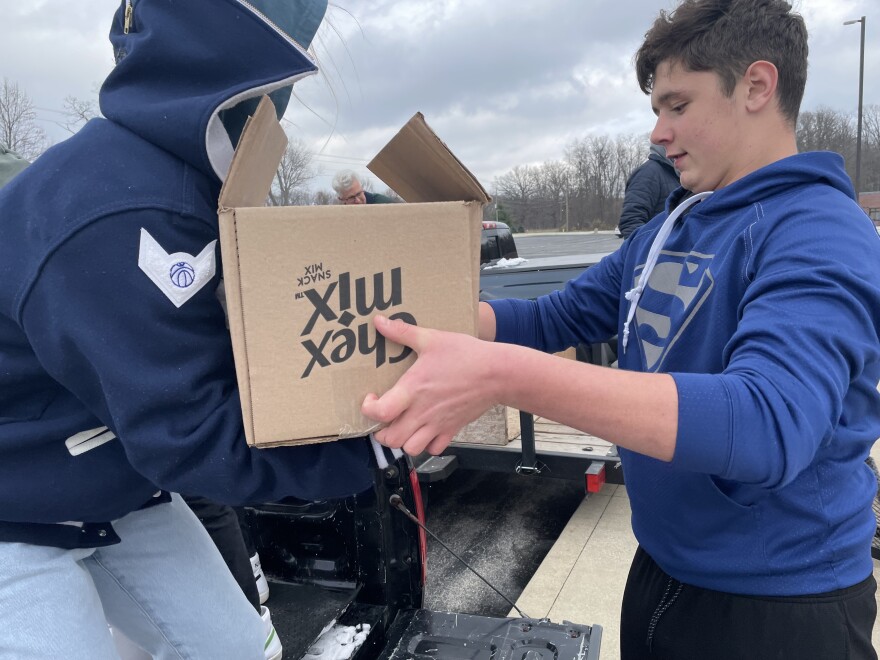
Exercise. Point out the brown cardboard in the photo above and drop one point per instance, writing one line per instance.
(419, 167)
(303, 284)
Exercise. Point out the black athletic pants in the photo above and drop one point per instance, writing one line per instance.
(663, 618)
(222, 525)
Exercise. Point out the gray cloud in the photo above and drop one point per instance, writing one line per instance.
(503, 83)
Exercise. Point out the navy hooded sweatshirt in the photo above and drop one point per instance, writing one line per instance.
(116, 369)
(764, 306)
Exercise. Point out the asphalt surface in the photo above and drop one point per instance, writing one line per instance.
(558, 245)
(502, 524)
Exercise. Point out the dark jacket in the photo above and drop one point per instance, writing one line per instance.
(376, 198)
(646, 191)
(116, 370)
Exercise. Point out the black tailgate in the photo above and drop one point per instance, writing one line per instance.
(426, 635)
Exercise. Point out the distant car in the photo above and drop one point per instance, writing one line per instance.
(496, 243)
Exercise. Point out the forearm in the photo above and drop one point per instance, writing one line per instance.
(456, 378)
(636, 411)
(486, 322)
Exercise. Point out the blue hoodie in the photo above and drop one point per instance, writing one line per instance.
(116, 374)
(764, 306)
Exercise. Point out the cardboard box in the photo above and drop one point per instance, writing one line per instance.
(303, 283)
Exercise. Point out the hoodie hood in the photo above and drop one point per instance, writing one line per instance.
(658, 153)
(785, 175)
(180, 65)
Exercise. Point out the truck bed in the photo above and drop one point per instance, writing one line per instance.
(301, 611)
(533, 277)
(425, 635)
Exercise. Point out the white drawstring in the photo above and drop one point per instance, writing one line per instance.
(379, 451)
(635, 294)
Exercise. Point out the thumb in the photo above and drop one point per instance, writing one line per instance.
(388, 407)
(401, 332)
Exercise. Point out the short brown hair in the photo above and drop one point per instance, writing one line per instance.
(726, 37)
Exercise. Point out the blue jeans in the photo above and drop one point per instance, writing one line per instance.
(165, 586)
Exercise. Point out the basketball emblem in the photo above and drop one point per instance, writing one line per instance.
(178, 275)
(182, 274)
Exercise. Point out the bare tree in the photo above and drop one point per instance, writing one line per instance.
(871, 126)
(830, 130)
(605, 181)
(596, 179)
(588, 185)
(871, 148)
(632, 150)
(583, 191)
(294, 171)
(390, 194)
(825, 129)
(18, 129)
(517, 189)
(77, 112)
(553, 180)
(324, 198)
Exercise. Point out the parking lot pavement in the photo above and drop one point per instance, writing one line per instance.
(582, 577)
(557, 245)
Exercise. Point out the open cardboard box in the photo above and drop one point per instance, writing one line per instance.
(303, 282)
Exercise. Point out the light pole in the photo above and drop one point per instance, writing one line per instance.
(861, 87)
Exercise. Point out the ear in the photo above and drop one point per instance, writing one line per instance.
(761, 79)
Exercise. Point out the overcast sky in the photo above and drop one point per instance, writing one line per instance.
(502, 82)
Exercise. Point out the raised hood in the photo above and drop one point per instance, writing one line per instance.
(178, 64)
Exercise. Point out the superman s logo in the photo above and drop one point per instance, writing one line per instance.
(677, 288)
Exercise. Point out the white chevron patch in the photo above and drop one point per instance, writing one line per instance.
(180, 275)
(85, 441)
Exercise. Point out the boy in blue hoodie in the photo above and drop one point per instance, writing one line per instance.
(746, 400)
(117, 383)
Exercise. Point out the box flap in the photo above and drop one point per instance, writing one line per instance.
(256, 159)
(419, 167)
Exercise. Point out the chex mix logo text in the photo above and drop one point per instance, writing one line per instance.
(346, 304)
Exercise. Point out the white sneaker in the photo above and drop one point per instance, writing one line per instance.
(273, 644)
(262, 583)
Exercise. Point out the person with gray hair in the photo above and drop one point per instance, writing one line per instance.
(350, 191)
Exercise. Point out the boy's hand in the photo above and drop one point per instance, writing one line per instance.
(450, 385)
